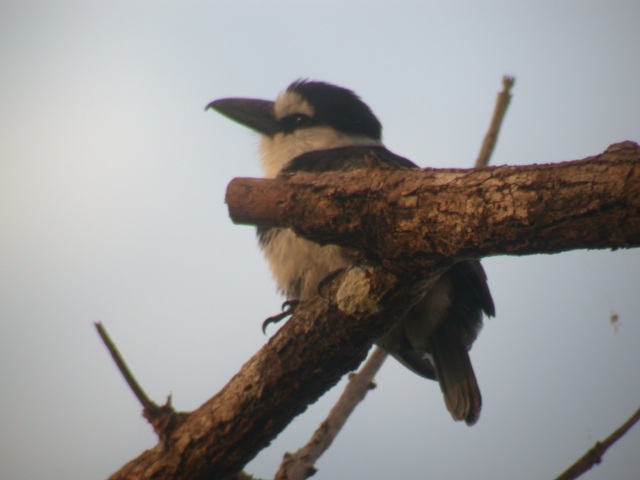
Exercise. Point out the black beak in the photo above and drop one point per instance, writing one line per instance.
(256, 114)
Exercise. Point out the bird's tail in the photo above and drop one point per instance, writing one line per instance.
(455, 373)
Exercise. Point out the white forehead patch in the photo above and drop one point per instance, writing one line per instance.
(289, 103)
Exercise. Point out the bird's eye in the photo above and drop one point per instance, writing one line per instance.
(295, 121)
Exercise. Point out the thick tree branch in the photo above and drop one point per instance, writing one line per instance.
(327, 337)
(426, 215)
(331, 333)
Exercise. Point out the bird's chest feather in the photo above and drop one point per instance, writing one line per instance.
(298, 265)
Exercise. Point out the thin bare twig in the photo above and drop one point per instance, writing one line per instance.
(499, 111)
(163, 418)
(594, 455)
(300, 465)
(135, 387)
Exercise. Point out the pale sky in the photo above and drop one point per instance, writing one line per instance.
(112, 180)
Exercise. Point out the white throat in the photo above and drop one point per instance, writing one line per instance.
(277, 151)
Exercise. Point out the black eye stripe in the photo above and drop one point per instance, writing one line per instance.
(295, 121)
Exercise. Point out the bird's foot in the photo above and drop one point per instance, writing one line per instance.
(288, 309)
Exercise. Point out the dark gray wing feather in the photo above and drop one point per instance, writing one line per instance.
(345, 159)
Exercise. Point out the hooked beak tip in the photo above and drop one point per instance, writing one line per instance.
(255, 114)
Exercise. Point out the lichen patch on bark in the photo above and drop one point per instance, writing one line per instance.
(354, 294)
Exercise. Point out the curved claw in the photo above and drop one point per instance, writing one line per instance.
(288, 308)
(290, 305)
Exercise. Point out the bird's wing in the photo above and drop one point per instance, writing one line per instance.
(347, 158)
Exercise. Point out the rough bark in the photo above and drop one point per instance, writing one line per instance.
(427, 215)
(327, 337)
(594, 203)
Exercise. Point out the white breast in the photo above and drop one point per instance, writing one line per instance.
(298, 265)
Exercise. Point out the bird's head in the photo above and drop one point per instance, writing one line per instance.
(307, 116)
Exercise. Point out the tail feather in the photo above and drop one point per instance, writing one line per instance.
(455, 374)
